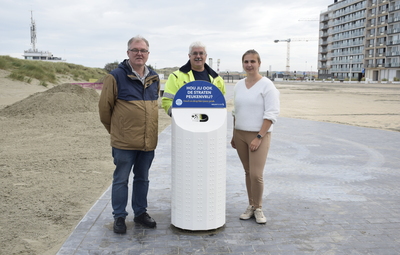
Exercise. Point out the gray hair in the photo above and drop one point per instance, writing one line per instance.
(137, 38)
(197, 45)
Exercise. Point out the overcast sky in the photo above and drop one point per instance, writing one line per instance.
(94, 33)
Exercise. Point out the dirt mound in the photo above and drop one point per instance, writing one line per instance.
(62, 99)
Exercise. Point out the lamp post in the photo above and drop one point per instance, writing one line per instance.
(305, 71)
(351, 63)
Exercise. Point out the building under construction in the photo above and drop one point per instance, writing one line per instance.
(360, 39)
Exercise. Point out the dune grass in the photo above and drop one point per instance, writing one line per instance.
(47, 72)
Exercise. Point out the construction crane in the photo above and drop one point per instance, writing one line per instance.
(288, 49)
(309, 19)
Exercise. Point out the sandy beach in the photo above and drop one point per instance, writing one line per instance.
(55, 157)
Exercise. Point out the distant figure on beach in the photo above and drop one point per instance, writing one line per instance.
(195, 69)
(256, 108)
(128, 109)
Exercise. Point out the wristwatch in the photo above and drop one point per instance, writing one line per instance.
(259, 136)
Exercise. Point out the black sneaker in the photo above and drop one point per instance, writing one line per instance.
(119, 226)
(145, 220)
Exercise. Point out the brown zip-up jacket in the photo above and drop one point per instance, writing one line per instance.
(129, 109)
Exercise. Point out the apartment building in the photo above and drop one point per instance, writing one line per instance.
(360, 38)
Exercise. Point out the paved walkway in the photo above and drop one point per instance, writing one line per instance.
(329, 189)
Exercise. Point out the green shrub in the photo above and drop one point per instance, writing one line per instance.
(3, 64)
(44, 84)
(17, 76)
(47, 72)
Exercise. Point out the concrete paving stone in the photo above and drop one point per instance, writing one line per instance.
(141, 252)
(191, 250)
(166, 250)
(179, 243)
(266, 247)
(382, 251)
(158, 244)
(217, 249)
(241, 248)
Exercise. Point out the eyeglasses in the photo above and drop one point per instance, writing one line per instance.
(136, 51)
(197, 53)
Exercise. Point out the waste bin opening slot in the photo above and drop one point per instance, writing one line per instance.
(199, 117)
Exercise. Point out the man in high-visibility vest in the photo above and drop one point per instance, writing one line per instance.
(195, 69)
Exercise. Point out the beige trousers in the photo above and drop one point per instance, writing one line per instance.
(253, 163)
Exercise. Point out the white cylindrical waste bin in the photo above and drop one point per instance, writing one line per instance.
(199, 127)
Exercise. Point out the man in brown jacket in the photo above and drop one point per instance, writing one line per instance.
(128, 109)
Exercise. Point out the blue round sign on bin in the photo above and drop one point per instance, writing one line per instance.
(199, 94)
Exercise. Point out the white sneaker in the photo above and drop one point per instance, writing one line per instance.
(260, 218)
(248, 213)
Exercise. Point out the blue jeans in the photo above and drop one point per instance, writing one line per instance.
(124, 160)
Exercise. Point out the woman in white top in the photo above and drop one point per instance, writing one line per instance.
(256, 108)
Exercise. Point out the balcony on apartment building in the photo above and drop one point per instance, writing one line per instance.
(346, 7)
(394, 19)
(381, 13)
(324, 42)
(323, 60)
(393, 65)
(347, 27)
(348, 19)
(324, 27)
(323, 67)
(393, 42)
(346, 61)
(394, 30)
(324, 50)
(392, 53)
(347, 44)
(383, 1)
(394, 7)
(355, 69)
(348, 35)
(325, 17)
(325, 34)
(380, 44)
(347, 52)
(382, 65)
